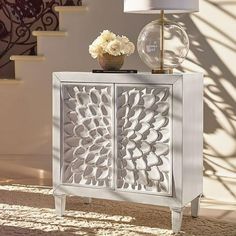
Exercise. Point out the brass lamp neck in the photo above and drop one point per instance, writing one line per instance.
(162, 15)
(162, 70)
(162, 42)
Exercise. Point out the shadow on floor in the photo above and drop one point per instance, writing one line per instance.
(30, 211)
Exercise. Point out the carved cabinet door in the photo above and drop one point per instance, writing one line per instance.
(87, 118)
(117, 137)
(143, 138)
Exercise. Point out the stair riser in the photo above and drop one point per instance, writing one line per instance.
(70, 20)
(51, 46)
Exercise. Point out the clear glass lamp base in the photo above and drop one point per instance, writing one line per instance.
(163, 45)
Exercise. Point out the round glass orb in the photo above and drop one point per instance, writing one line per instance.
(176, 44)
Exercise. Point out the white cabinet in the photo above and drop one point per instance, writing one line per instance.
(133, 137)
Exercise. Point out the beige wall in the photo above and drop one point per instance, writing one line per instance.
(213, 51)
(212, 34)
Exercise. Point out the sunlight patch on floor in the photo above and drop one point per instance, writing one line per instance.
(27, 189)
(29, 210)
(44, 219)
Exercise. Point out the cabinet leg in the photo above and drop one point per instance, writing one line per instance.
(87, 200)
(60, 204)
(176, 217)
(195, 204)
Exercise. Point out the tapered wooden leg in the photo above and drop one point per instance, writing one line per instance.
(60, 204)
(195, 204)
(177, 215)
(87, 200)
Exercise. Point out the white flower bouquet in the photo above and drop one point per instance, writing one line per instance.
(112, 44)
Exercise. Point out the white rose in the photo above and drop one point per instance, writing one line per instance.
(114, 47)
(95, 50)
(97, 41)
(100, 41)
(107, 36)
(123, 39)
(128, 49)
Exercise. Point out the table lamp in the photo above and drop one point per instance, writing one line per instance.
(162, 44)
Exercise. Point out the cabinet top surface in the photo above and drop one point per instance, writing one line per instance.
(68, 77)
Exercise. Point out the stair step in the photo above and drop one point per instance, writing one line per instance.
(49, 33)
(27, 58)
(71, 8)
(10, 81)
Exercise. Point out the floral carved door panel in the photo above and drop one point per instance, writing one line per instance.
(130, 153)
(88, 136)
(144, 154)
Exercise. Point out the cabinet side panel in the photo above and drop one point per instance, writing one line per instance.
(192, 137)
(87, 135)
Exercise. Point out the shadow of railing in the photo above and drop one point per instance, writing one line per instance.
(219, 98)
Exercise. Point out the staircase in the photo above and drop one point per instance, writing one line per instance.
(26, 117)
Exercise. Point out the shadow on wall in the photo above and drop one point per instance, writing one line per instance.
(18, 20)
(213, 52)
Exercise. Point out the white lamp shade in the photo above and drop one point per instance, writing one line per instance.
(155, 6)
